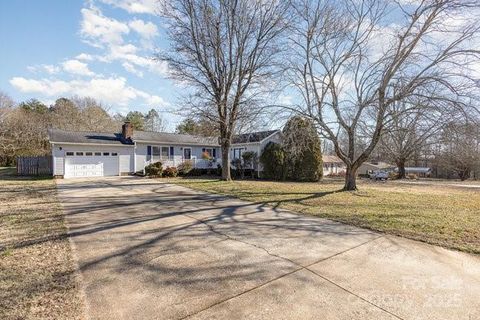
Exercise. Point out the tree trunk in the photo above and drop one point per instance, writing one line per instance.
(350, 179)
(464, 174)
(401, 169)
(226, 161)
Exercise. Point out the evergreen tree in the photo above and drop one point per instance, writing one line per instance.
(302, 150)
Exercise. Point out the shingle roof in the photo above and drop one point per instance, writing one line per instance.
(57, 135)
(174, 138)
(252, 137)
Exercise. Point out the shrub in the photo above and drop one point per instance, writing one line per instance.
(239, 168)
(340, 174)
(303, 150)
(195, 172)
(170, 172)
(249, 159)
(273, 161)
(392, 175)
(412, 176)
(184, 168)
(154, 169)
(250, 163)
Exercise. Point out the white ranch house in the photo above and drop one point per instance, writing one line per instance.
(95, 154)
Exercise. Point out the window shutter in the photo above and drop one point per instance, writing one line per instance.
(149, 153)
(214, 153)
(171, 152)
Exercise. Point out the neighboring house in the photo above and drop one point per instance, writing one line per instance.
(369, 167)
(419, 171)
(90, 154)
(333, 165)
(255, 142)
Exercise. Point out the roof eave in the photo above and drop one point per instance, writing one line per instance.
(93, 144)
(177, 143)
(267, 137)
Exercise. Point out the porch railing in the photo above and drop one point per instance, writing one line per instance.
(196, 163)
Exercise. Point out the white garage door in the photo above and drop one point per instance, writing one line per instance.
(91, 164)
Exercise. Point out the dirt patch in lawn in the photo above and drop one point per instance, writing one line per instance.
(441, 215)
(37, 270)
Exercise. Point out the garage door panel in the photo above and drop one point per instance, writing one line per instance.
(91, 166)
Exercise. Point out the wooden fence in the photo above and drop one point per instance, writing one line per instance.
(34, 166)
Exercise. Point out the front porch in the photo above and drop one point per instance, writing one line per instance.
(196, 163)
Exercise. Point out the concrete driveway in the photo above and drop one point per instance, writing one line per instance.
(150, 250)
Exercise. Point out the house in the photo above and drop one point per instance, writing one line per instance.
(256, 142)
(333, 165)
(368, 167)
(93, 154)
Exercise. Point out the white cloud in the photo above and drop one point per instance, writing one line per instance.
(108, 33)
(96, 27)
(84, 57)
(48, 68)
(135, 6)
(113, 90)
(146, 30)
(77, 67)
(131, 68)
(47, 87)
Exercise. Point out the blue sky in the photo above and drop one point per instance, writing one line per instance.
(98, 48)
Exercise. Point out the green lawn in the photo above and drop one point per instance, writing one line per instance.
(36, 266)
(441, 215)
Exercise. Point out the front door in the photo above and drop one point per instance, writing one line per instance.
(187, 153)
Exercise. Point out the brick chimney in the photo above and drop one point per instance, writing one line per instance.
(127, 130)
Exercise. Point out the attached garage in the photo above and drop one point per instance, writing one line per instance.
(87, 154)
(91, 164)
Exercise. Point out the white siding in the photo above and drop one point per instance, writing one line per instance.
(141, 154)
(58, 151)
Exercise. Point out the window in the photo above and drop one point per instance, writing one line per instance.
(237, 153)
(165, 153)
(79, 153)
(114, 154)
(106, 153)
(155, 153)
(98, 154)
(209, 151)
(89, 153)
(69, 154)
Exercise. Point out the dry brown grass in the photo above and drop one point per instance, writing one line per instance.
(442, 215)
(37, 279)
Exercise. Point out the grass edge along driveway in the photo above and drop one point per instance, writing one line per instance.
(37, 269)
(441, 215)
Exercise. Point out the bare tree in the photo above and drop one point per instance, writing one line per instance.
(227, 50)
(459, 151)
(355, 59)
(414, 127)
(6, 105)
(94, 116)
